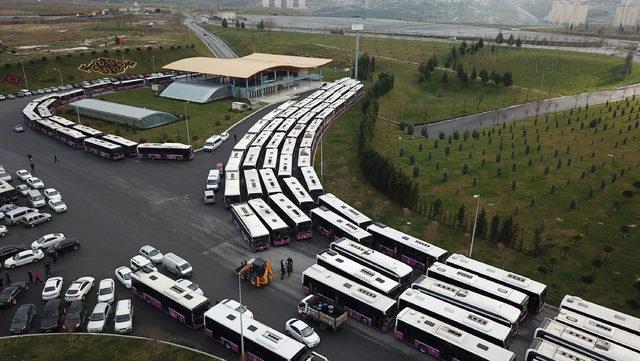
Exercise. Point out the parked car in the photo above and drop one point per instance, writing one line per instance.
(23, 174)
(36, 199)
(52, 315)
(34, 219)
(52, 288)
(63, 246)
(35, 182)
(3, 230)
(99, 317)
(23, 189)
(6, 208)
(24, 257)
(76, 313)
(190, 285)
(22, 319)
(18, 128)
(137, 262)
(209, 197)
(177, 265)
(52, 194)
(57, 205)
(152, 253)
(79, 289)
(224, 136)
(302, 332)
(106, 290)
(10, 294)
(48, 240)
(123, 274)
(123, 319)
(9, 251)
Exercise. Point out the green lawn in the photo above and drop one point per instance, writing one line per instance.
(204, 119)
(93, 348)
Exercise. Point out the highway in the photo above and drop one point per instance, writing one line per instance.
(216, 45)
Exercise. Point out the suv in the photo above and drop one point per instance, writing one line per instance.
(123, 320)
(33, 219)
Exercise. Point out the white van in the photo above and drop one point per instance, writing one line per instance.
(176, 265)
(123, 319)
(16, 215)
(35, 198)
(213, 179)
(209, 197)
(212, 143)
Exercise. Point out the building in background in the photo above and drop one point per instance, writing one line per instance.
(569, 12)
(627, 13)
(289, 4)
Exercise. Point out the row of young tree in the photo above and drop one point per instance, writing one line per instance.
(366, 67)
(510, 41)
(237, 23)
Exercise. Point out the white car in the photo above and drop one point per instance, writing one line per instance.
(123, 319)
(79, 289)
(302, 332)
(52, 288)
(52, 194)
(46, 241)
(23, 189)
(152, 253)
(24, 257)
(224, 136)
(138, 262)
(99, 317)
(57, 205)
(35, 182)
(107, 290)
(6, 208)
(190, 285)
(3, 230)
(23, 174)
(123, 274)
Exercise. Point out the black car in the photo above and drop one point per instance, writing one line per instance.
(10, 294)
(9, 251)
(23, 318)
(52, 315)
(76, 313)
(63, 246)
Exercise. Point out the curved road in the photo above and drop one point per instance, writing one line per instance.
(217, 46)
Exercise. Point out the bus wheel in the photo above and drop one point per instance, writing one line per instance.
(227, 345)
(323, 326)
(364, 320)
(422, 348)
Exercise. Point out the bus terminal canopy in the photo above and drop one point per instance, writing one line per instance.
(247, 66)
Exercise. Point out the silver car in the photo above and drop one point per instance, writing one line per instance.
(99, 317)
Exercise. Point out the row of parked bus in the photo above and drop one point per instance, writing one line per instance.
(586, 331)
(38, 115)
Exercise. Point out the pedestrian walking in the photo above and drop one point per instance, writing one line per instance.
(30, 275)
(30, 157)
(33, 168)
(55, 158)
(37, 276)
(282, 269)
(289, 266)
(54, 257)
(235, 138)
(47, 268)
(8, 277)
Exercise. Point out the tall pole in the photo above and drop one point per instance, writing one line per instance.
(357, 52)
(321, 155)
(186, 120)
(153, 62)
(475, 222)
(78, 114)
(59, 73)
(24, 74)
(241, 316)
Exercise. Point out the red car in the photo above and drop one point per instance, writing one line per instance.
(220, 167)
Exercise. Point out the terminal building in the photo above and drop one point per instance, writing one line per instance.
(248, 77)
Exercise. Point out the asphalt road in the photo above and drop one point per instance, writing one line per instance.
(216, 45)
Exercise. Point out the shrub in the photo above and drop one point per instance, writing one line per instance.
(552, 190)
(412, 159)
(217, 123)
(627, 193)
(514, 184)
(142, 140)
(465, 168)
(447, 150)
(603, 184)
(445, 176)
(416, 171)
(573, 204)
(401, 151)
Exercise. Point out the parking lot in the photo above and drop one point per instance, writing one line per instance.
(116, 207)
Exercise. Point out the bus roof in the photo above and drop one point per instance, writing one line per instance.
(289, 146)
(608, 315)
(407, 240)
(366, 275)
(343, 208)
(71, 132)
(340, 222)
(62, 121)
(375, 257)
(5, 187)
(251, 159)
(250, 220)
(348, 287)
(297, 190)
(602, 329)
(286, 105)
(453, 335)
(252, 181)
(258, 126)
(291, 210)
(554, 352)
(101, 143)
(270, 218)
(497, 273)
(311, 180)
(270, 181)
(87, 130)
(286, 125)
(284, 167)
(276, 139)
(119, 140)
(244, 142)
(49, 124)
(170, 288)
(273, 125)
(304, 157)
(179, 146)
(261, 139)
(231, 183)
(233, 163)
(270, 158)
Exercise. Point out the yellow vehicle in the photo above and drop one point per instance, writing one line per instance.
(258, 271)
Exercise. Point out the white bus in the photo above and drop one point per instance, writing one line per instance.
(295, 132)
(599, 329)
(271, 185)
(289, 111)
(334, 227)
(337, 205)
(278, 229)
(295, 218)
(258, 126)
(455, 316)
(276, 140)
(273, 125)
(252, 182)
(536, 291)
(297, 193)
(165, 294)
(254, 233)
(312, 182)
(62, 121)
(90, 132)
(244, 142)
(543, 350)
(483, 286)
(251, 158)
(602, 314)
(583, 342)
(231, 188)
(356, 272)
(307, 139)
(222, 324)
(386, 265)
(172, 151)
(408, 249)
(286, 125)
(71, 137)
(363, 304)
(270, 159)
(304, 157)
(234, 161)
(130, 147)
(288, 147)
(486, 306)
(443, 341)
(284, 166)
(103, 148)
(261, 139)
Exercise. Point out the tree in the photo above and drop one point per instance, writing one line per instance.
(500, 38)
(507, 231)
(597, 264)
(445, 77)
(587, 280)
(225, 23)
(507, 79)
(573, 204)
(628, 65)
(494, 231)
(260, 25)
(537, 238)
(496, 77)
(416, 170)
(474, 74)
(237, 23)
(510, 41)
(484, 76)
(242, 25)
(518, 42)
(481, 224)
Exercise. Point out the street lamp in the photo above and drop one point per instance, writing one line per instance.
(475, 222)
(186, 119)
(24, 74)
(241, 316)
(59, 73)
(357, 28)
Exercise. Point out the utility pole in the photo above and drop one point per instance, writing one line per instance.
(24, 74)
(357, 28)
(475, 221)
(186, 119)
(241, 316)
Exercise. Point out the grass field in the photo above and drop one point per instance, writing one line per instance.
(205, 120)
(93, 348)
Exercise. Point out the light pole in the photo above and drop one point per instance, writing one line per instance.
(59, 73)
(24, 74)
(475, 221)
(321, 155)
(186, 119)
(241, 316)
(357, 28)
(153, 62)
(78, 114)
